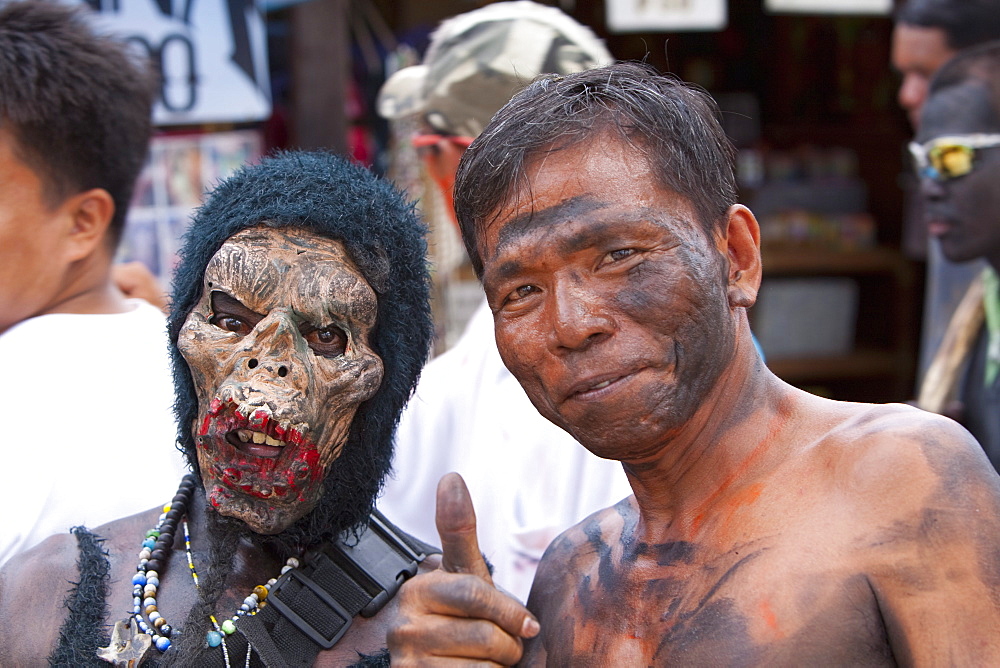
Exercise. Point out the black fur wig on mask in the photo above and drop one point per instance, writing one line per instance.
(339, 200)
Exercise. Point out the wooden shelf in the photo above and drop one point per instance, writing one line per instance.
(860, 364)
(780, 261)
(881, 367)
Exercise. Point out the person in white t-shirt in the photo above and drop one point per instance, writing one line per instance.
(529, 479)
(86, 391)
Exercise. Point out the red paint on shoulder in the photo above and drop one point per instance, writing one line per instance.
(770, 619)
(748, 496)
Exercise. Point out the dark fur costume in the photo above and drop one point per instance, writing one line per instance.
(82, 632)
(340, 200)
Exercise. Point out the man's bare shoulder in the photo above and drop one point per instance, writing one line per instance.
(583, 544)
(34, 586)
(897, 451)
(924, 508)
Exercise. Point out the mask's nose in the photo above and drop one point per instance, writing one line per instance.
(273, 346)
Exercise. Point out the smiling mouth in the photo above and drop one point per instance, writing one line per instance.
(601, 386)
(588, 390)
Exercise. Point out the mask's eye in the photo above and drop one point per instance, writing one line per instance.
(231, 315)
(231, 324)
(327, 342)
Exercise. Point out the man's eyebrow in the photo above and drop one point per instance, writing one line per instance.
(229, 304)
(577, 207)
(502, 272)
(553, 215)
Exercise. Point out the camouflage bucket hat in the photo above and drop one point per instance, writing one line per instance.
(476, 62)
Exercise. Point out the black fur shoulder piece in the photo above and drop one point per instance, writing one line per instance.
(83, 631)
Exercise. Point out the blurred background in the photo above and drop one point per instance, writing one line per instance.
(806, 88)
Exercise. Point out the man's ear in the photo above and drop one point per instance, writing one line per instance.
(743, 250)
(90, 213)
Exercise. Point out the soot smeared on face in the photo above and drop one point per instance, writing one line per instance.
(610, 299)
(278, 347)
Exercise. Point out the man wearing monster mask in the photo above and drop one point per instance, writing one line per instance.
(299, 324)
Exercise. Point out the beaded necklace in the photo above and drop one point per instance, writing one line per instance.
(145, 583)
(251, 604)
(155, 548)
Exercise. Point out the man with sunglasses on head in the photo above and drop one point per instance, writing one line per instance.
(957, 156)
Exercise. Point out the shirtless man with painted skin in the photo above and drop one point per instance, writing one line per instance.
(299, 324)
(768, 526)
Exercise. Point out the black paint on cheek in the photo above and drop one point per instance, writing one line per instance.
(641, 300)
(651, 288)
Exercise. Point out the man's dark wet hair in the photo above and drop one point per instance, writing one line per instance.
(675, 125)
(964, 22)
(336, 199)
(979, 63)
(77, 102)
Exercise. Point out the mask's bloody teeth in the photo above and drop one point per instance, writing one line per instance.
(247, 436)
(254, 424)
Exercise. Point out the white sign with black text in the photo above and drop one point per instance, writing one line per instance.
(665, 15)
(211, 55)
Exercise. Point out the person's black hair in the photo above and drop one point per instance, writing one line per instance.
(76, 102)
(673, 124)
(964, 22)
(978, 63)
(337, 199)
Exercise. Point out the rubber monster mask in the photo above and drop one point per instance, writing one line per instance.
(278, 347)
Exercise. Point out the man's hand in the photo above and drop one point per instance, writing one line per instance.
(135, 280)
(455, 616)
